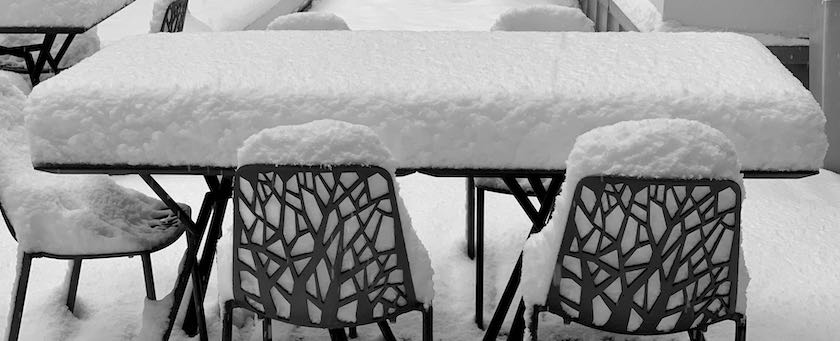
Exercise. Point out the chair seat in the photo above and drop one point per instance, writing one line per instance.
(498, 185)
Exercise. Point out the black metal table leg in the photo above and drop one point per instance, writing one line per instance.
(539, 218)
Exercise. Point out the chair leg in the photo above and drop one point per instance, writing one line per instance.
(533, 324)
(741, 329)
(266, 329)
(198, 293)
(479, 259)
(517, 328)
(20, 296)
(227, 322)
(73, 286)
(338, 334)
(387, 334)
(696, 335)
(428, 321)
(148, 276)
(470, 232)
(352, 332)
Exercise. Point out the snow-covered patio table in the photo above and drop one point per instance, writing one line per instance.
(445, 103)
(50, 18)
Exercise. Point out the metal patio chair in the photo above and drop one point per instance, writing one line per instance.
(476, 188)
(176, 14)
(320, 247)
(649, 256)
(169, 220)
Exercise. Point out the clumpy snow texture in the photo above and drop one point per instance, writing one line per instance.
(544, 18)
(654, 148)
(67, 214)
(57, 13)
(435, 99)
(322, 142)
(308, 21)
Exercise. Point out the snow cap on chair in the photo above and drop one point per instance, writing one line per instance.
(544, 18)
(654, 148)
(321, 142)
(309, 21)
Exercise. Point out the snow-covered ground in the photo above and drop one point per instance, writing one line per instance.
(789, 232)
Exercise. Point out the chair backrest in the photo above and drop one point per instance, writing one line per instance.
(319, 247)
(649, 256)
(7, 221)
(176, 14)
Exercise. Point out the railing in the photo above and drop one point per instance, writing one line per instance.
(608, 17)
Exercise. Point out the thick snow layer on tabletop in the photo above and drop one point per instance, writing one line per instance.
(226, 15)
(82, 46)
(544, 18)
(655, 148)
(57, 13)
(66, 214)
(308, 21)
(321, 142)
(425, 15)
(436, 99)
(331, 142)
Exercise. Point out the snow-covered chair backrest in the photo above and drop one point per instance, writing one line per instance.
(649, 256)
(320, 238)
(169, 15)
(646, 234)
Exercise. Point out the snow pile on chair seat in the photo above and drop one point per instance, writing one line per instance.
(544, 18)
(83, 46)
(436, 99)
(68, 214)
(57, 13)
(322, 142)
(331, 143)
(308, 21)
(227, 15)
(655, 148)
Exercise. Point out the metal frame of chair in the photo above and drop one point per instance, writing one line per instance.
(22, 277)
(176, 14)
(680, 277)
(320, 243)
(475, 226)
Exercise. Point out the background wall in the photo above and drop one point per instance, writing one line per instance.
(787, 17)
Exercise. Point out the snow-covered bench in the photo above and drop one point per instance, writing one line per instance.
(452, 100)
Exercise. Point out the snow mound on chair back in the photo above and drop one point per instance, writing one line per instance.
(309, 21)
(653, 148)
(544, 18)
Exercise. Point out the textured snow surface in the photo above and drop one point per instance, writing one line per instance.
(443, 99)
(655, 148)
(228, 15)
(322, 142)
(544, 18)
(82, 46)
(57, 13)
(65, 214)
(308, 21)
(425, 15)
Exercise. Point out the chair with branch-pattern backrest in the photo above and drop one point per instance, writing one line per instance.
(649, 256)
(320, 247)
(176, 14)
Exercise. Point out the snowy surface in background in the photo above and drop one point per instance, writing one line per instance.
(425, 15)
(57, 13)
(544, 18)
(228, 15)
(647, 18)
(658, 148)
(443, 99)
(308, 21)
(330, 142)
(65, 214)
